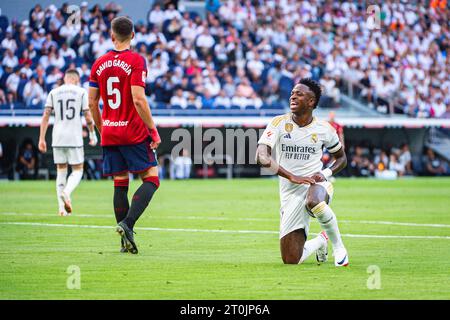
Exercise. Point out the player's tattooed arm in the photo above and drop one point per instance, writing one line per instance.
(340, 161)
(264, 159)
(94, 99)
(43, 130)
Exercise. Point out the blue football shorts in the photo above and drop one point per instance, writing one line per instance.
(135, 158)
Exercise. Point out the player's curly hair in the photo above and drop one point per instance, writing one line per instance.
(314, 86)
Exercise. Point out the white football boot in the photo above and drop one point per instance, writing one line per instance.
(340, 257)
(67, 203)
(62, 213)
(322, 252)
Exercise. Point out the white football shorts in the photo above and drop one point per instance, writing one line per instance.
(70, 155)
(293, 212)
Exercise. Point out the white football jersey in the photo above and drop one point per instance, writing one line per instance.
(67, 102)
(299, 149)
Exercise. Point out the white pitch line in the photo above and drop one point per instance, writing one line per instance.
(215, 230)
(407, 224)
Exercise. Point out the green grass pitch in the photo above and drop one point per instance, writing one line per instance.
(197, 240)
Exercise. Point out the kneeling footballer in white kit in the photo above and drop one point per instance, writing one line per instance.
(298, 139)
(67, 102)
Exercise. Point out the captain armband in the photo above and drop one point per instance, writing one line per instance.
(335, 148)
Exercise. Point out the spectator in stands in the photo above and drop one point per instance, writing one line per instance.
(182, 166)
(207, 100)
(395, 165)
(381, 160)
(55, 59)
(53, 77)
(330, 89)
(405, 159)
(9, 42)
(56, 21)
(205, 43)
(403, 65)
(26, 63)
(37, 17)
(211, 84)
(171, 12)
(189, 32)
(438, 108)
(33, 94)
(194, 101)
(446, 114)
(37, 39)
(244, 89)
(66, 52)
(434, 166)
(27, 161)
(10, 60)
(48, 40)
(12, 82)
(360, 164)
(222, 100)
(179, 99)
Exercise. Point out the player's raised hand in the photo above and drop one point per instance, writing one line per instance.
(42, 146)
(302, 180)
(156, 139)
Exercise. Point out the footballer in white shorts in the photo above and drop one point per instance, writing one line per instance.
(70, 155)
(67, 102)
(293, 212)
(298, 139)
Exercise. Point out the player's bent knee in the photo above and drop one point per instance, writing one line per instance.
(311, 203)
(291, 258)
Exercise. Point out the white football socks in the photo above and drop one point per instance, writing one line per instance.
(73, 181)
(61, 179)
(311, 246)
(328, 222)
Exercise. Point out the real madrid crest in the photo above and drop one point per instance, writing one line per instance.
(314, 138)
(288, 127)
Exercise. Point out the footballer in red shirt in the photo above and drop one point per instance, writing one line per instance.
(128, 134)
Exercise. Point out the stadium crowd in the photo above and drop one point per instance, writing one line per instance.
(368, 161)
(245, 54)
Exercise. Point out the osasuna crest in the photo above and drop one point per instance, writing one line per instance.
(314, 137)
(288, 127)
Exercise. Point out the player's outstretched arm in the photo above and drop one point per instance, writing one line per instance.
(90, 124)
(94, 99)
(43, 130)
(143, 109)
(265, 160)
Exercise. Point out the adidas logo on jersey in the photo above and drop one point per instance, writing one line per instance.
(287, 136)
